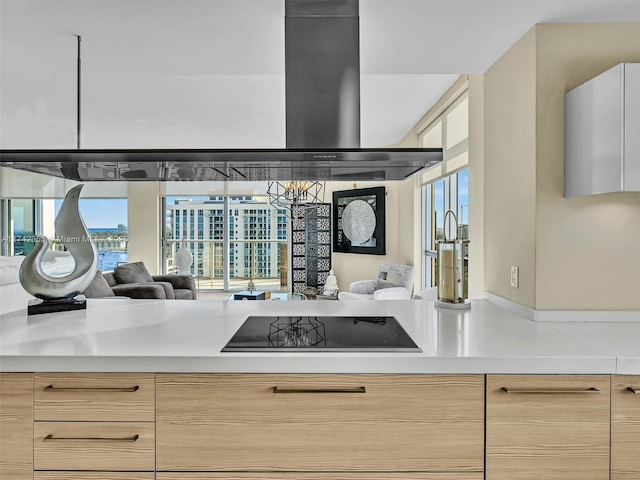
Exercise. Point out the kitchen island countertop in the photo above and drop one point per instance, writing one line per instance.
(121, 335)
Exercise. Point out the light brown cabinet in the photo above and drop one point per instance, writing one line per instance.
(94, 397)
(98, 423)
(318, 427)
(94, 446)
(93, 476)
(319, 476)
(547, 426)
(314, 423)
(16, 423)
(625, 427)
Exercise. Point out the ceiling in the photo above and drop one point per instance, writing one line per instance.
(210, 73)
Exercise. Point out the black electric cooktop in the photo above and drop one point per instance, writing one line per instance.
(321, 334)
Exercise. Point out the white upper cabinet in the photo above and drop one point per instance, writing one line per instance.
(602, 133)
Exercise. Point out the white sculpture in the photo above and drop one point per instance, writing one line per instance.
(331, 285)
(184, 258)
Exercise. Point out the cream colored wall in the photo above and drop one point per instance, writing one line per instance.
(510, 172)
(418, 228)
(587, 248)
(349, 267)
(476, 186)
(574, 254)
(144, 227)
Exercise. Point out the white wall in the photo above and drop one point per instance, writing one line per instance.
(144, 225)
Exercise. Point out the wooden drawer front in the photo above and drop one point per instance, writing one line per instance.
(401, 423)
(93, 476)
(94, 396)
(16, 420)
(536, 431)
(625, 427)
(319, 476)
(93, 446)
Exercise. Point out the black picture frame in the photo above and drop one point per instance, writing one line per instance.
(375, 198)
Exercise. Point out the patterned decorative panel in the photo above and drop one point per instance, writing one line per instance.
(324, 211)
(299, 263)
(324, 238)
(311, 248)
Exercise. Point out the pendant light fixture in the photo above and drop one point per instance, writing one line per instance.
(296, 197)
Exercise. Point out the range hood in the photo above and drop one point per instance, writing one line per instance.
(322, 77)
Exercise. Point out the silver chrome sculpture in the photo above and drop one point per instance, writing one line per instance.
(73, 234)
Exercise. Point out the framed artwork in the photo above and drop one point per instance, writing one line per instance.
(358, 217)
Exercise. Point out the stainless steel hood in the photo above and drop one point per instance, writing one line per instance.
(322, 77)
(268, 164)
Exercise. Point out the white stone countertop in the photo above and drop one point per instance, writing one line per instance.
(187, 336)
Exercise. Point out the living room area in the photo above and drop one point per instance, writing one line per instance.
(151, 230)
(500, 128)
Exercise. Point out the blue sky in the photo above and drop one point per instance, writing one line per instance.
(101, 213)
(463, 197)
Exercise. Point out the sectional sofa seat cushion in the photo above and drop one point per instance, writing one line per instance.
(140, 290)
(183, 286)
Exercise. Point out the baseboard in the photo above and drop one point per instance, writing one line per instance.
(509, 305)
(563, 315)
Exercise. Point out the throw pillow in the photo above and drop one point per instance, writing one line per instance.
(380, 284)
(395, 278)
(98, 287)
(134, 272)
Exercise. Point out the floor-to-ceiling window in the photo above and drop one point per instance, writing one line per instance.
(446, 186)
(105, 218)
(106, 221)
(22, 219)
(257, 238)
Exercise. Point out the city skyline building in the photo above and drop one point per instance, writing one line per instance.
(257, 235)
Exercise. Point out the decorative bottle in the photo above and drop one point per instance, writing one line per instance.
(184, 258)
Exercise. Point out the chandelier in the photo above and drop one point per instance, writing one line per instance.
(295, 197)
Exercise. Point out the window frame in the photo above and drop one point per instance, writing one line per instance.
(455, 161)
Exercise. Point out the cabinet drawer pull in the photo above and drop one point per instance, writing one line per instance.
(51, 438)
(550, 390)
(51, 388)
(319, 390)
(632, 390)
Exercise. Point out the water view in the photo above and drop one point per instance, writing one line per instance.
(110, 260)
(112, 246)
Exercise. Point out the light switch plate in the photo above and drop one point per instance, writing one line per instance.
(515, 280)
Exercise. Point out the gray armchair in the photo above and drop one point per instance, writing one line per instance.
(134, 281)
(394, 282)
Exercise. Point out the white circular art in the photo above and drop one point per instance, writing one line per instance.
(358, 221)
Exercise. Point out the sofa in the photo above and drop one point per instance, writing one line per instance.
(133, 280)
(394, 282)
(12, 296)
